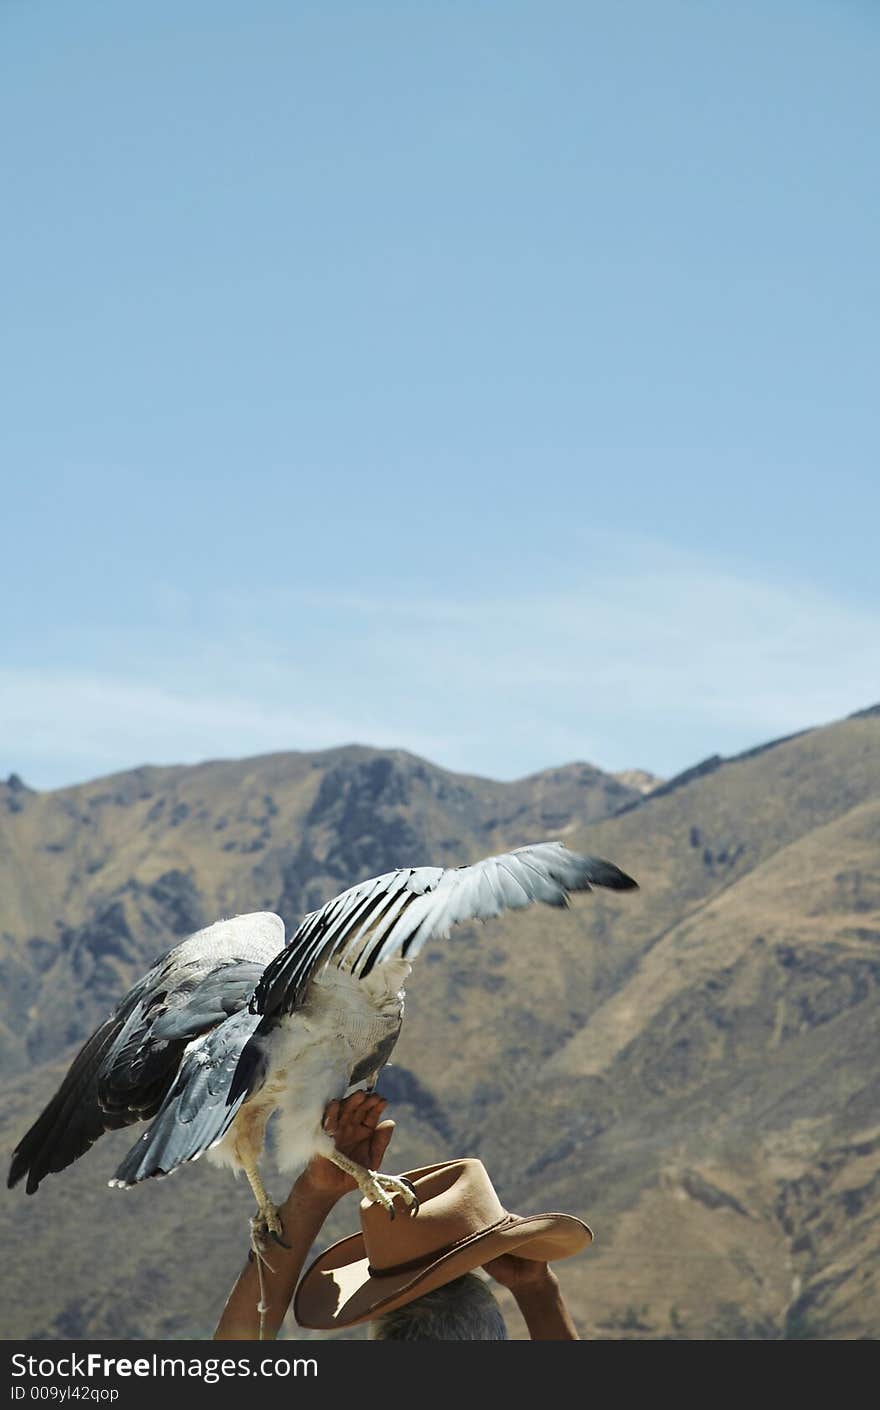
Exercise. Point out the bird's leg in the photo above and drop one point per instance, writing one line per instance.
(266, 1223)
(376, 1186)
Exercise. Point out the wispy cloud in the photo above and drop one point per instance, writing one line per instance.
(60, 727)
(654, 663)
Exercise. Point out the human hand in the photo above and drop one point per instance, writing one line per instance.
(518, 1274)
(357, 1131)
(538, 1296)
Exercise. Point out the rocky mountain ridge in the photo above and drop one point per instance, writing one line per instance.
(692, 1068)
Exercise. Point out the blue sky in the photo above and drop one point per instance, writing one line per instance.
(493, 381)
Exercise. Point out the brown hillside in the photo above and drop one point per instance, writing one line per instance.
(691, 1068)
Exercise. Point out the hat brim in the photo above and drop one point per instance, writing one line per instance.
(338, 1289)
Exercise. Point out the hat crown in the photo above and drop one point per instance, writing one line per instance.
(461, 1225)
(457, 1202)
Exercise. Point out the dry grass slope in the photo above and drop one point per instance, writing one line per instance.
(692, 1068)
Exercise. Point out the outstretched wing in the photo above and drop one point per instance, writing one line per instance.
(396, 913)
(125, 1070)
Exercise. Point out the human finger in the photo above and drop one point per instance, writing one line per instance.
(372, 1109)
(380, 1142)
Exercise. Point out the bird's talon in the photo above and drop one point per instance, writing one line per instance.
(414, 1205)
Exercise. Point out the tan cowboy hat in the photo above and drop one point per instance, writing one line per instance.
(460, 1225)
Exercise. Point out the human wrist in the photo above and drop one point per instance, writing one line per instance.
(534, 1281)
(309, 1188)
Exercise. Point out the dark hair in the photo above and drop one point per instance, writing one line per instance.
(463, 1310)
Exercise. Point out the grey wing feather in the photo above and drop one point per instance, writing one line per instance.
(123, 1072)
(72, 1121)
(199, 1108)
(218, 996)
(397, 913)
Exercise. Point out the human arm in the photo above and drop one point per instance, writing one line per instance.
(538, 1296)
(358, 1132)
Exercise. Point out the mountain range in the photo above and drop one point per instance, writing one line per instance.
(691, 1068)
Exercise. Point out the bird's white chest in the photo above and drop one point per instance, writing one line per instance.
(313, 1052)
(353, 1017)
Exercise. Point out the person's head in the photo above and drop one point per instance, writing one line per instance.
(463, 1310)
